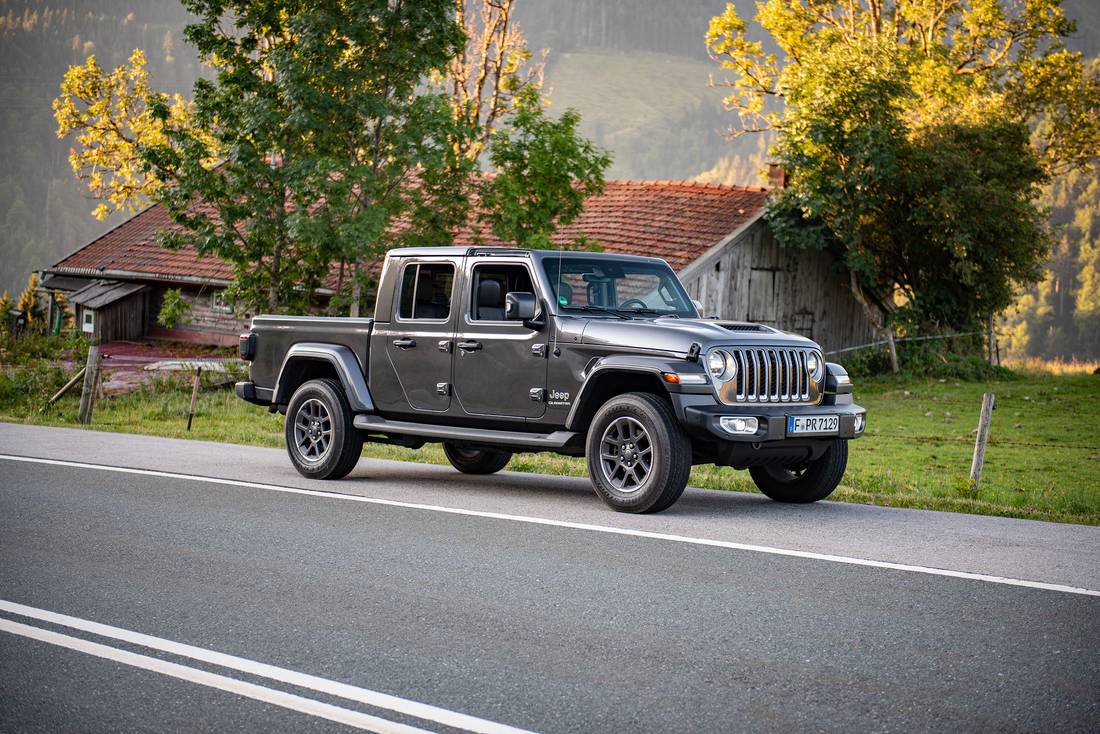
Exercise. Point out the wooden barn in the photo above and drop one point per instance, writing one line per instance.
(111, 310)
(715, 236)
(749, 277)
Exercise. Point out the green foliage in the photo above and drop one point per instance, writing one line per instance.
(960, 358)
(174, 310)
(320, 111)
(917, 136)
(31, 366)
(544, 171)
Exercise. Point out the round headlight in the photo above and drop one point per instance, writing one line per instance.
(721, 365)
(813, 364)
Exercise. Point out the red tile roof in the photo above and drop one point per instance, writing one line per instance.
(674, 220)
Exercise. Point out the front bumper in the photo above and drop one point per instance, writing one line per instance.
(701, 414)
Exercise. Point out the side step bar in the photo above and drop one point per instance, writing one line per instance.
(378, 424)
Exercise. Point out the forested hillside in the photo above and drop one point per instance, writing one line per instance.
(43, 211)
(637, 70)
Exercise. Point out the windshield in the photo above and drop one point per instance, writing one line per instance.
(593, 284)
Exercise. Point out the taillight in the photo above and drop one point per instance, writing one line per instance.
(246, 346)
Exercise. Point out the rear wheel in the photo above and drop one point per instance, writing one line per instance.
(639, 457)
(809, 483)
(320, 438)
(476, 461)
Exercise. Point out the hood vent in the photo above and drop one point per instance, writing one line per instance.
(757, 328)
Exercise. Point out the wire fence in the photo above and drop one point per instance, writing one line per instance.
(884, 342)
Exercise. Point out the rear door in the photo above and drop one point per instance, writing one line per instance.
(499, 366)
(418, 340)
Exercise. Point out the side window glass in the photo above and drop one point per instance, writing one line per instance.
(408, 290)
(426, 291)
(492, 283)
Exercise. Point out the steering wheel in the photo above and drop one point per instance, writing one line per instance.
(638, 302)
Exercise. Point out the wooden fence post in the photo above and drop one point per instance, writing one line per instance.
(65, 388)
(894, 366)
(87, 394)
(194, 395)
(989, 340)
(980, 441)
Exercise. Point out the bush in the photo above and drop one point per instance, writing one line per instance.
(958, 358)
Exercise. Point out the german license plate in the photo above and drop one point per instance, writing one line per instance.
(822, 424)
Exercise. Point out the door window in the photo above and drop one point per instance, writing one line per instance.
(491, 284)
(426, 291)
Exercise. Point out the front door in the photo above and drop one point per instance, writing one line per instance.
(500, 365)
(418, 339)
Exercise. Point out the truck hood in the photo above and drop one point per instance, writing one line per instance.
(677, 335)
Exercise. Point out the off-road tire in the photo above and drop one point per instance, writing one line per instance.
(669, 454)
(476, 461)
(345, 442)
(801, 485)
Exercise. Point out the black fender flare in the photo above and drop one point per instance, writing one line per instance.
(655, 366)
(343, 361)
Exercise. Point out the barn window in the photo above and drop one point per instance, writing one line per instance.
(88, 324)
(218, 303)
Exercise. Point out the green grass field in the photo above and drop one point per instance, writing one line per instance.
(1043, 460)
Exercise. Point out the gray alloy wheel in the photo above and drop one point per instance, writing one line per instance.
(638, 455)
(626, 454)
(321, 439)
(312, 431)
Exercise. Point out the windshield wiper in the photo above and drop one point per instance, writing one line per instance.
(669, 314)
(600, 309)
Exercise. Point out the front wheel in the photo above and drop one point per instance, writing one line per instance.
(476, 461)
(810, 483)
(639, 457)
(320, 437)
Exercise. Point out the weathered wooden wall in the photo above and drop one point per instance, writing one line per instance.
(206, 325)
(121, 320)
(752, 278)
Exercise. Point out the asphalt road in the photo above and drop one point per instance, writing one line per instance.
(421, 598)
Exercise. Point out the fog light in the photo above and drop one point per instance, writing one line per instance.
(732, 424)
(861, 421)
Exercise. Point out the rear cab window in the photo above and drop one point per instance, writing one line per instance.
(426, 292)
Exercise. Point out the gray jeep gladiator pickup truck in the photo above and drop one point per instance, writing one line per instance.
(493, 351)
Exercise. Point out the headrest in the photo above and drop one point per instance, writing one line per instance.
(489, 293)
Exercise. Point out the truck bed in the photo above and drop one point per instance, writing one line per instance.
(276, 334)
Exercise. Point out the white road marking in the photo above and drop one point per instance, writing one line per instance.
(213, 680)
(849, 560)
(263, 670)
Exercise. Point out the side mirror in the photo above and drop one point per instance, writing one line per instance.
(519, 306)
(698, 306)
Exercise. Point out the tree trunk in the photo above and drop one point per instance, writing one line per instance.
(356, 290)
(880, 325)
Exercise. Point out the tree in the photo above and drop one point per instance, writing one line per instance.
(5, 308)
(916, 136)
(1059, 317)
(489, 74)
(544, 172)
(320, 110)
(28, 301)
(110, 116)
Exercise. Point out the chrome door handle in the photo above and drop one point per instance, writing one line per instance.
(404, 343)
(470, 346)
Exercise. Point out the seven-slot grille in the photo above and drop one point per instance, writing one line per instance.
(772, 375)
